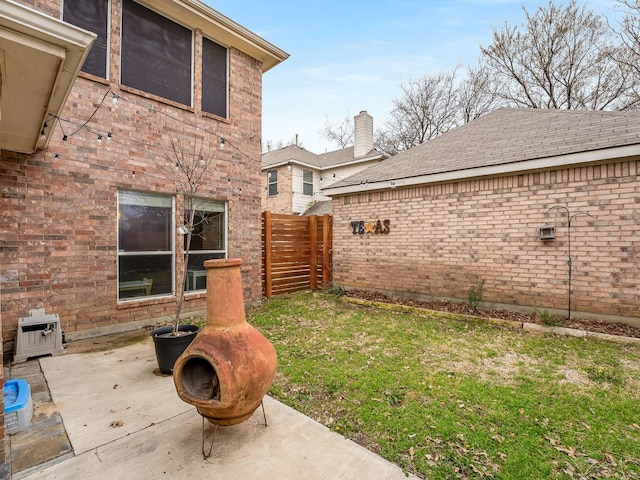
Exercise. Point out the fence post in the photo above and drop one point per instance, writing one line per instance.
(313, 252)
(326, 232)
(267, 254)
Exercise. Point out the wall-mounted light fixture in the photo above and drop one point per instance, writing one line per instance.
(547, 232)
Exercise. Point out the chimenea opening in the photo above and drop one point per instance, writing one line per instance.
(200, 379)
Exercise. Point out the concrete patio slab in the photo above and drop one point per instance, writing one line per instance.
(124, 421)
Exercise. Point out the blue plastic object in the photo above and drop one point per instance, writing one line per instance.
(16, 395)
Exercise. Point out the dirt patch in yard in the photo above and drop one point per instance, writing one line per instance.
(611, 328)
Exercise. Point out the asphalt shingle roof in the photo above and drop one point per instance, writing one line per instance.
(320, 161)
(508, 135)
(292, 152)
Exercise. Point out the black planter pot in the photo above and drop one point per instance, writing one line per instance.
(169, 347)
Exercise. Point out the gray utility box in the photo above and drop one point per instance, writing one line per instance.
(38, 334)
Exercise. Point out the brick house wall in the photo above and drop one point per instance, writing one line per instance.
(283, 201)
(445, 238)
(59, 216)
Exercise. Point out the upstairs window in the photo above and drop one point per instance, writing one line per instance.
(214, 78)
(91, 15)
(272, 178)
(307, 182)
(156, 54)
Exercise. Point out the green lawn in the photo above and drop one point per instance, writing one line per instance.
(449, 397)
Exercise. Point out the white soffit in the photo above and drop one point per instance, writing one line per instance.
(40, 59)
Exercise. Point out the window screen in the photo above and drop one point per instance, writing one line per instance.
(214, 78)
(91, 15)
(156, 53)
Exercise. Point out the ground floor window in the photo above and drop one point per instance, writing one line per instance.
(146, 255)
(208, 240)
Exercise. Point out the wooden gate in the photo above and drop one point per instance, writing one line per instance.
(296, 253)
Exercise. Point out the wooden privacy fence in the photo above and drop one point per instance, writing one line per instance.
(296, 253)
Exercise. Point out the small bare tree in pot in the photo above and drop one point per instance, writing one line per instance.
(188, 166)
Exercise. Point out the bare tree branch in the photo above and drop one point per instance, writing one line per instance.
(341, 133)
(188, 158)
(561, 57)
(428, 107)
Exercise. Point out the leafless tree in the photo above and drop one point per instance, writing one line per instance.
(271, 145)
(427, 108)
(628, 33)
(341, 133)
(559, 58)
(188, 159)
(477, 94)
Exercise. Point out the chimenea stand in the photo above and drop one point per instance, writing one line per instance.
(226, 371)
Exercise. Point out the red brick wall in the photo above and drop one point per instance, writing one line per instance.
(59, 206)
(445, 238)
(283, 201)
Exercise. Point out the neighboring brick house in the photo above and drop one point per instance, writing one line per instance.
(469, 206)
(90, 211)
(293, 178)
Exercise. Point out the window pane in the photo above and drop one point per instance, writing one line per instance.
(208, 240)
(272, 178)
(156, 53)
(208, 231)
(145, 226)
(144, 275)
(214, 78)
(144, 222)
(307, 182)
(91, 15)
(196, 273)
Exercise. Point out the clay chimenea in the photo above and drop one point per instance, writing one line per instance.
(226, 371)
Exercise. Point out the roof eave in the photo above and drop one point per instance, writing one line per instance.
(290, 162)
(593, 156)
(32, 40)
(355, 161)
(212, 23)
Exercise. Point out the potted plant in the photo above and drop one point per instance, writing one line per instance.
(188, 166)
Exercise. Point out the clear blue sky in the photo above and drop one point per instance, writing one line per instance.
(353, 55)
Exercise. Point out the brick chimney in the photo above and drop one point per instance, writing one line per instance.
(363, 134)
